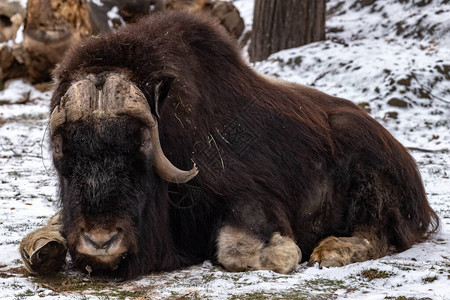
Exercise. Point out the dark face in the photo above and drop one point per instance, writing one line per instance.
(106, 182)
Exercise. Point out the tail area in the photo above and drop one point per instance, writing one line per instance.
(419, 221)
(410, 218)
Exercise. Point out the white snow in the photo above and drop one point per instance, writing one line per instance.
(113, 13)
(19, 35)
(245, 8)
(23, 3)
(366, 59)
(97, 2)
(17, 91)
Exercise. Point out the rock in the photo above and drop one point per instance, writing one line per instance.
(391, 115)
(358, 4)
(397, 102)
(405, 81)
(365, 106)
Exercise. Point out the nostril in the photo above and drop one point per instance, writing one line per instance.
(91, 242)
(111, 241)
(101, 240)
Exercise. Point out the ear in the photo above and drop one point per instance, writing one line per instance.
(160, 92)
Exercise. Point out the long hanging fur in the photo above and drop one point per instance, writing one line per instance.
(273, 156)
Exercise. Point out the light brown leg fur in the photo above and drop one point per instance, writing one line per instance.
(44, 250)
(239, 251)
(340, 251)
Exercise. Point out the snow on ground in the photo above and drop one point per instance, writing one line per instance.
(391, 57)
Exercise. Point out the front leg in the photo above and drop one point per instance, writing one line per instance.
(44, 250)
(239, 250)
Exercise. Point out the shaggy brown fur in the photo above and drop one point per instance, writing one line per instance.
(275, 159)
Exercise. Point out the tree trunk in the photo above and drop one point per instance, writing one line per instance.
(282, 24)
(51, 27)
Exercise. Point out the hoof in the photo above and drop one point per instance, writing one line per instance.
(338, 252)
(49, 256)
(44, 250)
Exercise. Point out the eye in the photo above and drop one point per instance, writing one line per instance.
(57, 149)
(146, 144)
(57, 145)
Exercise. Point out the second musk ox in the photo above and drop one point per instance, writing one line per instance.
(285, 173)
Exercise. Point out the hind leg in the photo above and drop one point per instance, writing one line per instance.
(239, 250)
(365, 244)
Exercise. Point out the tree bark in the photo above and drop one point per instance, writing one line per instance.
(282, 24)
(51, 27)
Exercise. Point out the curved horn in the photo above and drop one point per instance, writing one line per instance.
(76, 103)
(135, 105)
(163, 167)
(57, 118)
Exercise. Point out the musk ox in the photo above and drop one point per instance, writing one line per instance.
(285, 173)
